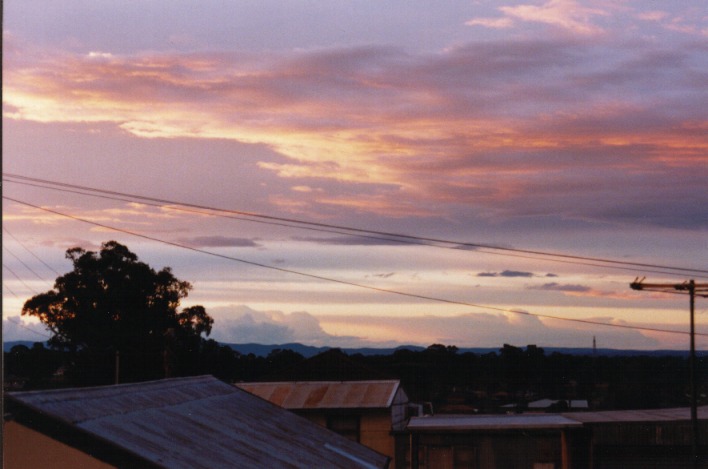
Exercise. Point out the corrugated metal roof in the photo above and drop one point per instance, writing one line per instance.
(326, 394)
(545, 403)
(548, 421)
(199, 422)
(490, 422)
(541, 403)
(645, 415)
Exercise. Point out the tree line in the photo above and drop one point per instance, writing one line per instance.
(450, 381)
(114, 319)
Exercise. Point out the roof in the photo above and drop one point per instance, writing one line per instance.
(646, 415)
(545, 403)
(300, 395)
(541, 403)
(490, 422)
(548, 421)
(197, 422)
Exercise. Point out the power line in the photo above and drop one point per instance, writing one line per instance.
(4, 228)
(10, 290)
(344, 282)
(46, 336)
(7, 287)
(399, 237)
(214, 212)
(4, 246)
(5, 266)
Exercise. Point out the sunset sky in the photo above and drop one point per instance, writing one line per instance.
(553, 126)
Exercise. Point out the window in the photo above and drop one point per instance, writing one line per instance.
(345, 425)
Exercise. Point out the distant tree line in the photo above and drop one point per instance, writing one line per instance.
(114, 319)
(449, 380)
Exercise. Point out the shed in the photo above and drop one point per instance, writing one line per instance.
(490, 441)
(649, 438)
(372, 412)
(658, 438)
(197, 422)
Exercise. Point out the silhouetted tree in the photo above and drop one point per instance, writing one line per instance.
(111, 302)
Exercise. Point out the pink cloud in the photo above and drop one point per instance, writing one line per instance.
(495, 23)
(535, 114)
(566, 14)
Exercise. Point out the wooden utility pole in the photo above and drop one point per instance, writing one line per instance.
(693, 289)
(117, 368)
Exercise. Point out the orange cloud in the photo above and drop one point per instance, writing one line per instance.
(435, 126)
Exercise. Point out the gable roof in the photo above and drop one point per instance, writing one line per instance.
(197, 422)
(301, 395)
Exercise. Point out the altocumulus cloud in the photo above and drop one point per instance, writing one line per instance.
(587, 119)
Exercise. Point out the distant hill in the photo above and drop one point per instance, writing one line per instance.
(308, 351)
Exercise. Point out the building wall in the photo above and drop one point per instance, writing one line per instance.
(374, 428)
(24, 448)
(399, 410)
(319, 419)
(375, 432)
(511, 450)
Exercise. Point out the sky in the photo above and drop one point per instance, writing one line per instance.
(554, 126)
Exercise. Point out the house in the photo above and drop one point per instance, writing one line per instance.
(655, 438)
(547, 405)
(542, 405)
(373, 413)
(534, 441)
(197, 422)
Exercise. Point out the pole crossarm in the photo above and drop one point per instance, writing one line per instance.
(693, 289)
(698, 289)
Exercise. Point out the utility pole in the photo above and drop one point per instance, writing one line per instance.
(117, 369)
(693, 289)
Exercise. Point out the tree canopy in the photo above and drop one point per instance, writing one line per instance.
(112, 302)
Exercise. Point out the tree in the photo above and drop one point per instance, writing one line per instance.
(113, 303)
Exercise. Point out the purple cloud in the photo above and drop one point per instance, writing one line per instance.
(218, 241)
(553, 286)
(506, 273)
(365, 240)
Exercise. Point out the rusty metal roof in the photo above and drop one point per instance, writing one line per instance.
(326, 394)
(197, 422)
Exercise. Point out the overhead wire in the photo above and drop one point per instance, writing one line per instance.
(214, 212)
(14, 274)
(20, 324)
(388, 236)
(47, 336)
(4, 246)
(344, 282)
(6, 230)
